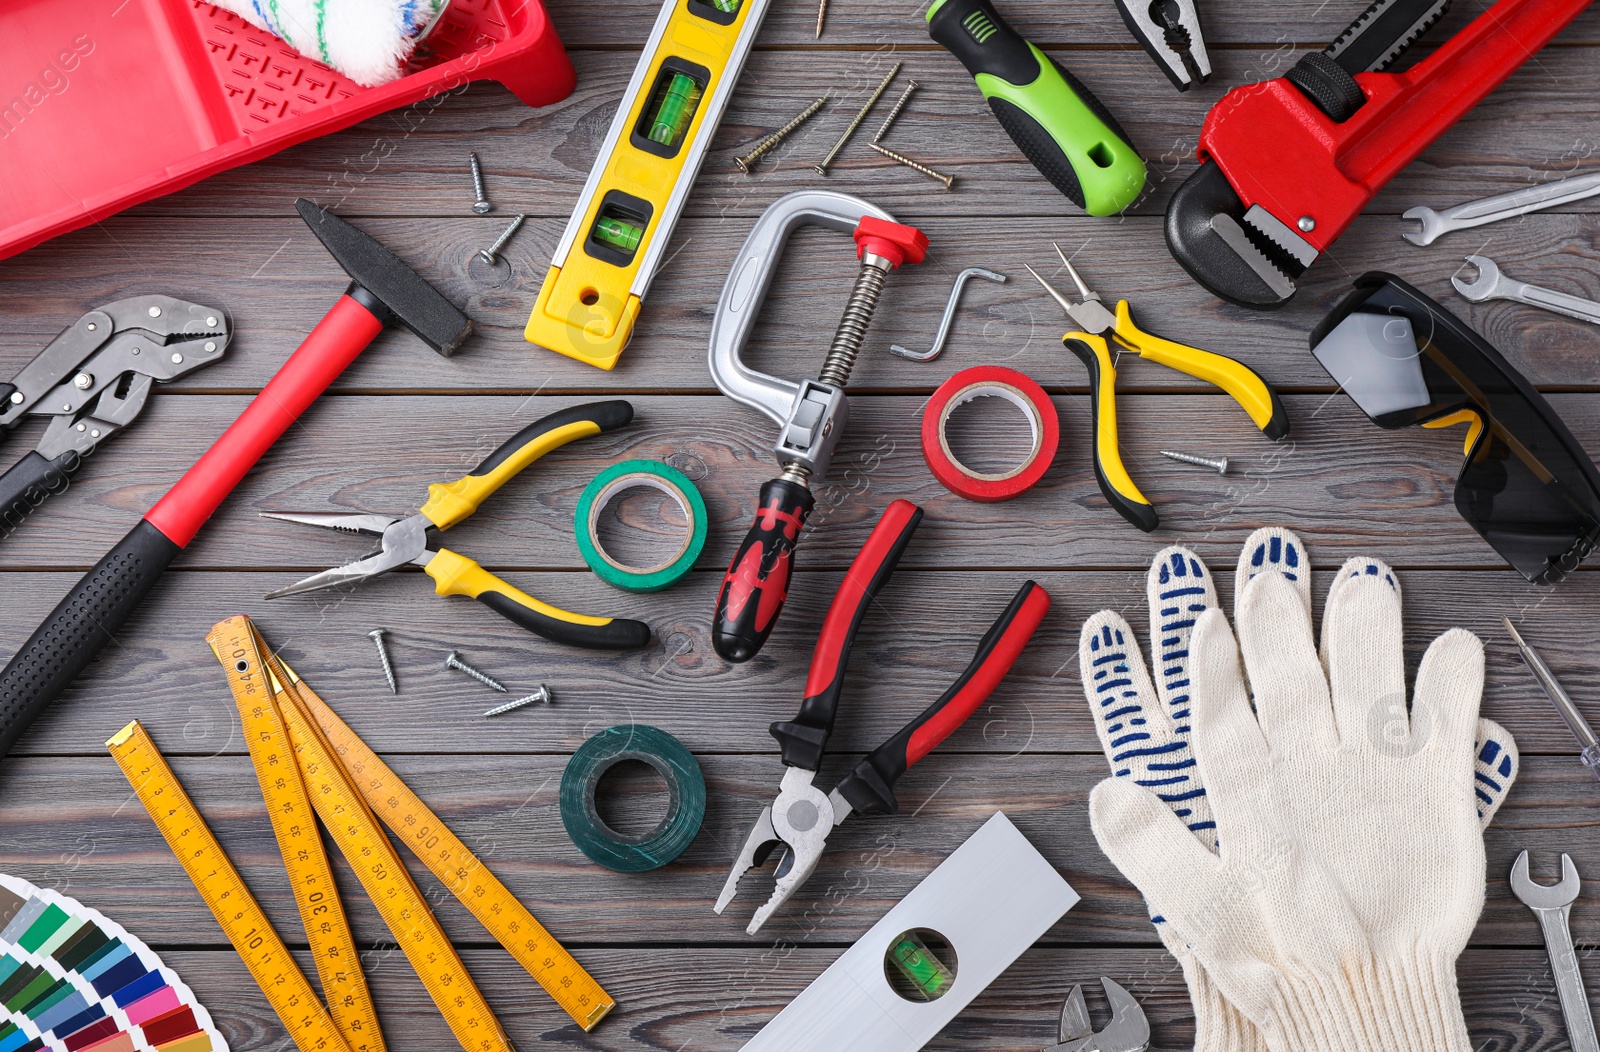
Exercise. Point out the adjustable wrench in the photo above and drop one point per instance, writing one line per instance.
(1551, 903)
(1128, 1030)
(1491, 284)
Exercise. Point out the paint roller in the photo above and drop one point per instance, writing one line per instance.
(369, 41)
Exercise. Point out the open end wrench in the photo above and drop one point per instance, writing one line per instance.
(1551, 903)
(1492, 284)
(1501, 206)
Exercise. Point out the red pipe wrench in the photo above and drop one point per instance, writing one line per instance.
(1289, 163)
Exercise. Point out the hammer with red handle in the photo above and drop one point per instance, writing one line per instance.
(383, 291)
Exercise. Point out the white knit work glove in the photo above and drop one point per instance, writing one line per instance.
(1148, 744)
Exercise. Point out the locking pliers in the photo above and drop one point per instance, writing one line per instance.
(93, 380)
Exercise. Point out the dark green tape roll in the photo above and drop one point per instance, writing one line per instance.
(686, 788)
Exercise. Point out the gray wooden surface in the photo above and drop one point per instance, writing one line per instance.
(402, 417)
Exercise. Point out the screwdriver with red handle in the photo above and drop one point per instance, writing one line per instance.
(802, 816)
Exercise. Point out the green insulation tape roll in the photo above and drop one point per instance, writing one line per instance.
(604, 488)
(686, 788)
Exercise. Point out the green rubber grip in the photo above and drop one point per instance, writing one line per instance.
(1058, 124)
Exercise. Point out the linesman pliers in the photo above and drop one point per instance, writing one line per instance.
(93, 380)
(1240, 381)
(802, 816)
(406, 540)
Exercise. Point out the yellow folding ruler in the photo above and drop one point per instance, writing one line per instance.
(307, 759)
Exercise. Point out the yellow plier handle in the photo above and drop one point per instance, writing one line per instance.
(458, 575)
(1240, 381)
(1115, 482)
(450, 502)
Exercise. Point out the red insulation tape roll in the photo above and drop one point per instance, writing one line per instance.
(990, 381)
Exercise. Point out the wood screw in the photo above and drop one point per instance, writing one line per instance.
(947, 180)
(481, 205)
(822, 169)
(899, 104)
(491, 255)
(542, 694)
(1219, 466)
(452, 661)
(376, 635)
(762, 147)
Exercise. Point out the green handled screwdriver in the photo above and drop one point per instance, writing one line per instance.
(1057, 122)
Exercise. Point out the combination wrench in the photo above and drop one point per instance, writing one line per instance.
(1491, 284)
(1551, 903)
(1501, 206)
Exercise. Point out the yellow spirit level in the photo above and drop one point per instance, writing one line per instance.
(614, 241)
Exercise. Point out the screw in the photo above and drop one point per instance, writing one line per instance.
(481, 205)
(744, 163)
(376, 635)
(1306, 224)
(451, 661)
(1188, 458)
(491, 255)
(155, 312)
(899, 104)
(822, 169)
(822, 12)
(909, 163)
(83, 381)
(542, 694)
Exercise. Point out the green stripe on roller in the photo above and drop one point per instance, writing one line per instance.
(617, 479)
(686, 788)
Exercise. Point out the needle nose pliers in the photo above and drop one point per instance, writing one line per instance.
(1244, 384)
(802, 816)
(406, 539)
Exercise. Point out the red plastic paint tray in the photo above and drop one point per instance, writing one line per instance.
(106, 103)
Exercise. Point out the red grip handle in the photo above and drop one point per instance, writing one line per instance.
(757, 581)
(870, 787)
(804, 737)
(342, 334)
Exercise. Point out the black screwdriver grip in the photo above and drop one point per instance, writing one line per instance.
(757, 582)
(80, 626)
(30, 481)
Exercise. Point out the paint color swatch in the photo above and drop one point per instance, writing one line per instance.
(73, 981)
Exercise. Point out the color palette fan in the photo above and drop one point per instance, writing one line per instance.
(73, 981)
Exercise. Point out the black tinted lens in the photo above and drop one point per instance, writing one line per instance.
(1527, 487)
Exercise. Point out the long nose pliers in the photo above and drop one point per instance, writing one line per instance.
(407, 539)
(1091, 346)
(802, 816)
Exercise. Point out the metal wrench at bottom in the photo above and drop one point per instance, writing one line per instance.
(1491, 284)
(1551, 903)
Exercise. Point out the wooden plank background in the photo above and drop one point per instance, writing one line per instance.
(402, 417)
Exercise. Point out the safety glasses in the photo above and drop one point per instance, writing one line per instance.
(1527, 487)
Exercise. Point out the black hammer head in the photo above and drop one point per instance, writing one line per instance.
(397, 289)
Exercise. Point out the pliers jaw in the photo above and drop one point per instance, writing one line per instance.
(405, 540)
(799, 821)
(1170, 31)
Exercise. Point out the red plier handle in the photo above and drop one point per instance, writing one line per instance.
(870, 787)
(804, 738)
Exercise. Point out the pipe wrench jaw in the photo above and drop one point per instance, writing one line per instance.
(1216, 239)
